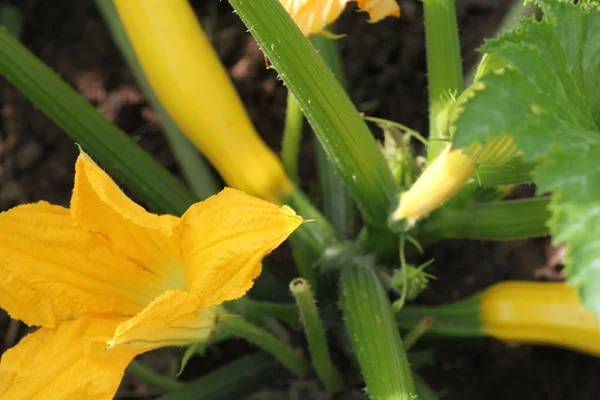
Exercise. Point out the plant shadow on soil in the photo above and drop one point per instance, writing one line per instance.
(385, 67)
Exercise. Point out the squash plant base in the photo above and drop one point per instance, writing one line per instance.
(87, 50)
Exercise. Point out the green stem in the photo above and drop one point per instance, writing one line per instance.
(315, 335)
(511, 173)
(497, 220)
(110, 146)
(248, 307)
(194, 168)
(346, 138)
(292, 136)
(10, 18)
(374, 335)
(338, 206)
(460, 319)
(231, 382)
(151, 378)
(268, 342)
(444, 67)
(417, 332)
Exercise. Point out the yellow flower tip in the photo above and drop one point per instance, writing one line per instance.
(440, 181)
(312, 16)
(95, 193)
(379, 9)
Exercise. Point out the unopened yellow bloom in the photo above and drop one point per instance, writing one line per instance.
(438, 183)
(188, 78)
(312, 16)
(107, 280)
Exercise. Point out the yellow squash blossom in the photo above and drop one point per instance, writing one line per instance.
(106, 280)
(312, 16)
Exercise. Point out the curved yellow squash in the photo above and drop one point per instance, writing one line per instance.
(188, 78)
(542, 313)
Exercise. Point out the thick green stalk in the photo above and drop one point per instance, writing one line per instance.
(250, 308)
(497, 220)
(513, 172)
(374, 335)
(110, 146)
(334, 119)
(149, 377)
(315, 336)
(338, 205)
(460, 319)
(444, 67)
(194, 168)
(269, 343)
(231, 382)
(292, 136)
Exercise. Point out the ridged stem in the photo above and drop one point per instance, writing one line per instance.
(231, 382)
(338, 206)
(315, 336)
(374, 335)
(460, 319)
(496, 220)
(344, 135)
(292, 136)
(294, 362)
(444, 67)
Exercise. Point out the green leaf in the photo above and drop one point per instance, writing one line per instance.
(189, 353)
(548, 98)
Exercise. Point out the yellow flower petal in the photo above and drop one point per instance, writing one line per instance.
(66, 363)
(224, 239)
(379, 9)
(50, 270)
(98, 205)
(174, 319)
(312, 16)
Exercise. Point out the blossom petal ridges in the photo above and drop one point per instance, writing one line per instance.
(51, 271)
(224, 239)
(66, 363)
(174, 319)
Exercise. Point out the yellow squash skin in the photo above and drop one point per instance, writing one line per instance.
(438, 183)
(188, 78)
(540, 313)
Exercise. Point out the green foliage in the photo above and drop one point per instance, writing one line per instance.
(548, 98)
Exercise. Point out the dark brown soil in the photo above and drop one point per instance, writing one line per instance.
(385, 67)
